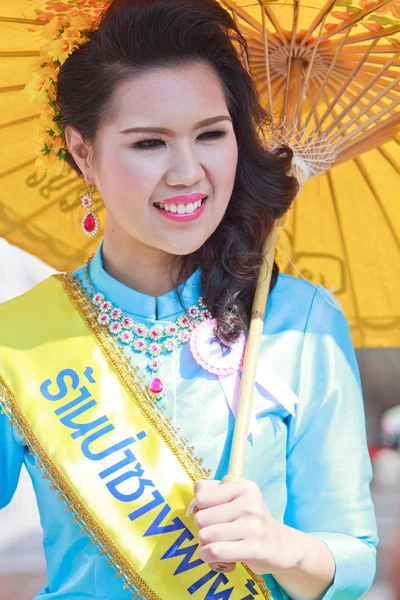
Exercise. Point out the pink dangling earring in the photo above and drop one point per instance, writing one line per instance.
(90, 222)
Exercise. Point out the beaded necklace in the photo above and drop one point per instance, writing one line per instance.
(147, 340)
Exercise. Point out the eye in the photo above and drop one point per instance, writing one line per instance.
(214, 134)
(148, 144)
(155, 143)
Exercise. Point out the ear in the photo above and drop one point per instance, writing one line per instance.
(81, 152)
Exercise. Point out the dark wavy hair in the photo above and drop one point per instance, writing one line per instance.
(133, 36)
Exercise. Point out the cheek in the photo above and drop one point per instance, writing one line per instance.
(127, 173)
(225, 171)
(231, 155)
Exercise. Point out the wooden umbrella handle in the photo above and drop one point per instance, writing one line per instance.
(242, 422)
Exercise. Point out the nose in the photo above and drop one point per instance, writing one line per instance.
(186, 168)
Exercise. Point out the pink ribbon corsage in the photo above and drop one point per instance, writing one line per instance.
(226, 364)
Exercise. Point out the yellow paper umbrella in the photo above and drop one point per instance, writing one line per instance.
(329, 73)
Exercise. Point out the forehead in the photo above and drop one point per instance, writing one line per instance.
(170, 96)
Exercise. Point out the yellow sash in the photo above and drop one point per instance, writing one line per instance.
(114, 457)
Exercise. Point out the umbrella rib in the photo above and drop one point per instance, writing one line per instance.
(23, 21)
(380, 134)
(266, 58)
(364, 37)
(255, 38)
(308, 74)
(279, 83)
(372, 70)
(19, 53)
(321, 17)
(359, 16)
(372, 60)
(349, 92)
(19, 121)
(390, 159)
(346, 254)
(383, 49)
(369, 94)
(310, 96)
(247, 18)
(323, 89)
(12, 88)
(331, 67)
(274, 21)
(375, 194)
(360, 80)
(290, 60)
(244, 53)
(361, 127)
(345, 84)
(336, 122)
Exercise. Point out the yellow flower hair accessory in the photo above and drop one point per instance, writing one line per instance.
(63, 34)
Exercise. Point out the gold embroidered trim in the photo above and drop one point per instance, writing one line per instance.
(67, 494)
(178, 446)
(133, 383)
(122, 365)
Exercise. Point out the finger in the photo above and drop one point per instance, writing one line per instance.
(223, 532)
(225, 513)
(206, 484)
(203, 485)
(225, 552)
(208, 496)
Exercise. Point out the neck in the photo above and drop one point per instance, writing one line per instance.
(143, 268)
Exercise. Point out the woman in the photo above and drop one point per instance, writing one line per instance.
(160, 115)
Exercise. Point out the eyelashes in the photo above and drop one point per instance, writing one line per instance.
(155, 143)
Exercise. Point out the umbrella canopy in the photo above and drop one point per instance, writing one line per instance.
(330, 75)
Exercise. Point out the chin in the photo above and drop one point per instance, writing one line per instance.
(179, 249)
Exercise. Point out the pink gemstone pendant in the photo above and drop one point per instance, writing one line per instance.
(156, 385)
(157, 388)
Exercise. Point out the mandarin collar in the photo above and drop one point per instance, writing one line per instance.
(138, 304)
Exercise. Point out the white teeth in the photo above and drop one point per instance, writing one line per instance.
(181, 209)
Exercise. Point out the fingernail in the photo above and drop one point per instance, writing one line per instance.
(192, 508)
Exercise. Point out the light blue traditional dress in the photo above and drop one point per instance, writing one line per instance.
(313, 468)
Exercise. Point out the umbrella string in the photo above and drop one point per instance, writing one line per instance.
(331, 289)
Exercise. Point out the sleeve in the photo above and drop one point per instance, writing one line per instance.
(328, 465)
(11, 459)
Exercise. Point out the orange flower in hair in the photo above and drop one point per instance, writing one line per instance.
(64, 33)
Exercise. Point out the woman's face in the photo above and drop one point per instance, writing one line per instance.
(189, 158)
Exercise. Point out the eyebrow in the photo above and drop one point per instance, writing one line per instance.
(165, 131)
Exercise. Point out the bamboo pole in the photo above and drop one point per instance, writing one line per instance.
(249, 372)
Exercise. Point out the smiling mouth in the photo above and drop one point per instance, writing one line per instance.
(180, 209)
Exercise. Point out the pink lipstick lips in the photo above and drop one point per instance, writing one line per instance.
(182, 208)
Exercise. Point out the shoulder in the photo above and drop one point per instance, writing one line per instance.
(297, 303)
(25, 299)
(32, 310)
